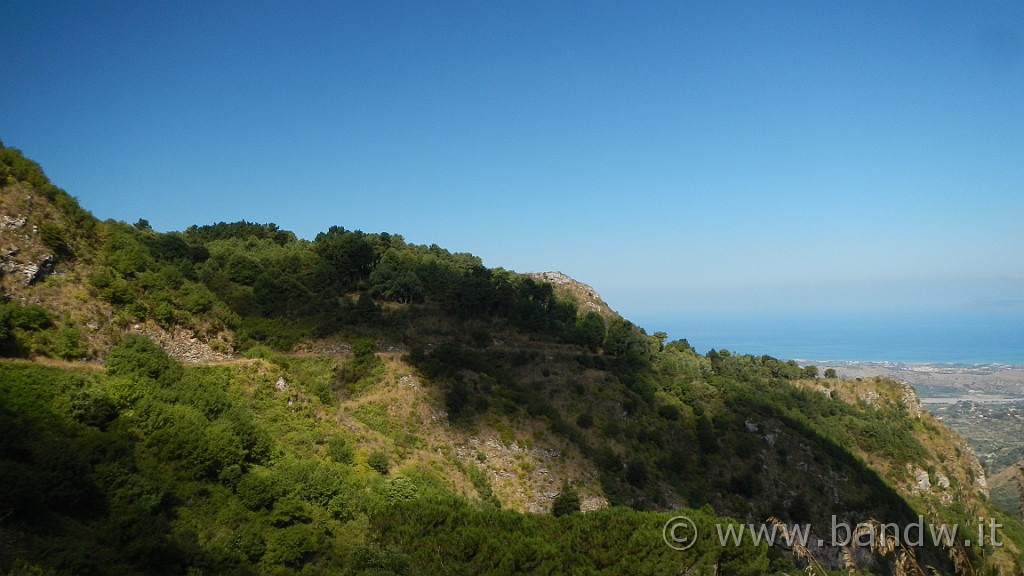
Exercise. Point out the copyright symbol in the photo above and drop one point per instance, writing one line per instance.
(679, 533)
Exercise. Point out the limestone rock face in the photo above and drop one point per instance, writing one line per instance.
(23, 257)
(921, 481)
(588, 298)
(184, 346)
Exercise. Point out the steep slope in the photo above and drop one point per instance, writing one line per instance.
(1007, 488)
(419, 386)
(586, 297)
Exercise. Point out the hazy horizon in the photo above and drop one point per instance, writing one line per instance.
(921, 336)
(682, 158)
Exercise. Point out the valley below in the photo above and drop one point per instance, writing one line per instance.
(983, 403)
(939, 382)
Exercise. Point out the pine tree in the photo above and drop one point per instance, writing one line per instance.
(567, 501)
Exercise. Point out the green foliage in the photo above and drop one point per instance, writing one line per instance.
(339, 450)
(138, 357)
(394, 278)
(27, 330)
(706, 435)
(590, 330)
(239, 230)
(15, 167)
(482, 485)
(348, 257)
(91, 406)
(197, 298)
(375, 416)
(53, 237)
(612, 541)
(750, 368)
(289, 546)
(151, 449)
(125, 253)
(379, 461)
(399, 489)
(23, 329)
(153, 467)
(566, 502)
(31, 318)
(362, 370)
(67, 343)
(259, 489)
(373, 560)
(585, 420)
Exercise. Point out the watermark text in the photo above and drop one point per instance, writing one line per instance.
(680, 533)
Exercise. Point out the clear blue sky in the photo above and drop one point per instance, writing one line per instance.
(679, 156)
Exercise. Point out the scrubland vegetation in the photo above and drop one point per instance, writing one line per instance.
(289, 459)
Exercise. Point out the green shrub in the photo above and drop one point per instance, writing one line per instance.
(31, 318)
(197, 298)
(288, 546)
(139, 357)
(165, 315)
(259, 489)
(567, 501)
(288, 510)
(247, 541)
(371, 559)
(67, 343)
(400, 489)
(375, 416)
(92, 407)
(53, 238)
(339, 450)
(124, 391)
(379, 461)
(363, 369)
(585, 420)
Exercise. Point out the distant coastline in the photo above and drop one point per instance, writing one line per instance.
(940, 383)
(957, 341)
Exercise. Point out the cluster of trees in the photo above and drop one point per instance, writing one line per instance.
(463, 540)
(32, 330)
(268, 286)
(273, 288)
(748, 367)
(119, 472)
(153, 467)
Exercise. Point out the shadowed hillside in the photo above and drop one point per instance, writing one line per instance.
(232, 399)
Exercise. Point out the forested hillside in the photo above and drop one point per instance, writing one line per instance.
(232, 399)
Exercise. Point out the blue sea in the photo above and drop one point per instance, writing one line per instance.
(919, 336)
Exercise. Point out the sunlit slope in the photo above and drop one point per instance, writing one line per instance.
(270, 404)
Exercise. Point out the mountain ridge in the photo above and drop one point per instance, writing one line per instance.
(416, 377)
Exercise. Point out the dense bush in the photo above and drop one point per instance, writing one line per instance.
(566, 502)
(139, 357)
(379, 461)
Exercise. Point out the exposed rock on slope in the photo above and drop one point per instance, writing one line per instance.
(588, 298)
(24, 257)
(184, 346)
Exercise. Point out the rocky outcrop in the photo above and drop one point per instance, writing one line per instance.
(911, 401)
(588, 298)
(25, 259)
(21, 252)
(183, 345)
(39, 270)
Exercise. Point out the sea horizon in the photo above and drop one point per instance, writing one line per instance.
(918, 337)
